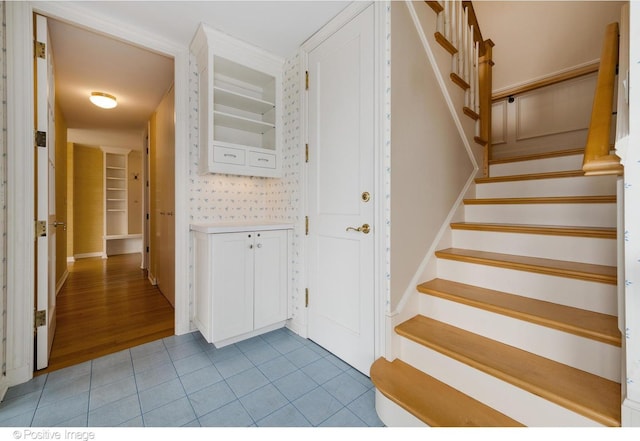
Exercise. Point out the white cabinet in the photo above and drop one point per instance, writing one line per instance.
(239, 106)
(241, 281)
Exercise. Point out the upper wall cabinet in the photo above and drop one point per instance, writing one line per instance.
(239, 106)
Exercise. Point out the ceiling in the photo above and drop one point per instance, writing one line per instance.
(86, 61)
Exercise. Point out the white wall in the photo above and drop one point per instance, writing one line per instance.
(536, 38)
(127, 139)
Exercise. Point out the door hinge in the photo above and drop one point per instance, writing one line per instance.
(147, 249)
(41, 139)
(306, 225)
(306, 153)
(306, 80)
(39, 49)
(40, 318)
(41, 228)
(306, 297)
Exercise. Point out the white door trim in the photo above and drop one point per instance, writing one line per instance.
(381, 287)
(20, 249)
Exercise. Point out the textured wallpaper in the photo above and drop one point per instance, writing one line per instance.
(3, 193)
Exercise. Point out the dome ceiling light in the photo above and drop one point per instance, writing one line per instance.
(103, 100)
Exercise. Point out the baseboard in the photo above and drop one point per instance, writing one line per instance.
(88, 255)
(630, 413)
(62, 281)
(297, 327)
(4, 386)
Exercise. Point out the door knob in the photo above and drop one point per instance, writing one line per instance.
(365, 228)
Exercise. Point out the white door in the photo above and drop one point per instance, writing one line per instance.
(45, 296)
(340, 173)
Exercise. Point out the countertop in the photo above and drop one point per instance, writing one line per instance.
(238, 227)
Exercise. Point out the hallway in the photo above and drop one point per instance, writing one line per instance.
(105, 306)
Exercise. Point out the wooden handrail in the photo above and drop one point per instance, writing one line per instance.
(597, 157)
(546, 81)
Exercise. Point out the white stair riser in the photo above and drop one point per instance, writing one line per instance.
(576, 249)
(584, 215)
(576, 186)
(582, 353)
(562, 163)
(527, 408)
(592, 296)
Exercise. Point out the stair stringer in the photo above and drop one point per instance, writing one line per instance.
(440, 62)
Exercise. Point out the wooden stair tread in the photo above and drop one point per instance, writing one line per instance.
(430, 400)
(552, 230)
(534, 156)
(588, 324)
(561, 268)
(604, 199)
(586, 394)
(530, 176)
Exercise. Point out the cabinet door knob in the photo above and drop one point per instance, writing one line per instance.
(259, 245)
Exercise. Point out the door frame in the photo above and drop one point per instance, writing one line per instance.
(20, 231)
(381, 296)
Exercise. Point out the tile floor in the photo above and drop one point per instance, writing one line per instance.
(278, 379)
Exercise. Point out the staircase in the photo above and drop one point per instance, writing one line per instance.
(520, 326)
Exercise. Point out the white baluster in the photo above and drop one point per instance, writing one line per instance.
(465, 45)
(477, 69)
(460, 44)
(447, 20)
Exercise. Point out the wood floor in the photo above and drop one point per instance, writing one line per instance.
(105, 306)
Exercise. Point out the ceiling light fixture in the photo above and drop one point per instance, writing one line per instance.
(103, 100)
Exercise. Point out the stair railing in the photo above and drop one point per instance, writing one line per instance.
(598, 159)
(458, 31)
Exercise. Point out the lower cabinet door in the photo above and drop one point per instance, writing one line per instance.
(232, 291)
(270, 278)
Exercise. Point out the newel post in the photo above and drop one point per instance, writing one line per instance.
(485, 81)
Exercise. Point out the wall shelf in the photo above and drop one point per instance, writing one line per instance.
(240, 89)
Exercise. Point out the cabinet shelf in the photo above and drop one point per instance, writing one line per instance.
(241, 123)
(115, 193)
(240, 101)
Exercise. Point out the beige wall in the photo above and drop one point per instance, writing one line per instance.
(88, 205)
(134, 186)
(69, 199)
(162, 196)
(61, 193)
(537, 38)
(429, 163)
